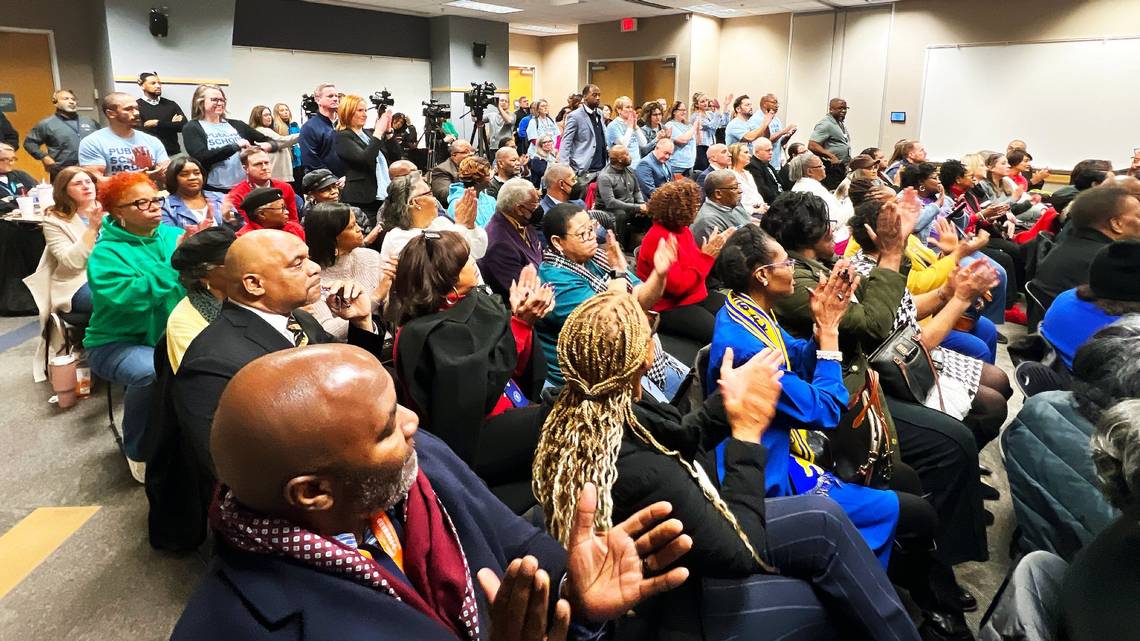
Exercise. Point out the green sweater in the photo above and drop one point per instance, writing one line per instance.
(133, 286)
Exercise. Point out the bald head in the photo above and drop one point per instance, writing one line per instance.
(271, 271)
(837, 107)
(619, 156)
(718, 156)
(663, 151)
(401, 168)
(507, 163)
(762, 149)
(305, 433)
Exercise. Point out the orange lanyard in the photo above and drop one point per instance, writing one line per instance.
(386, 537)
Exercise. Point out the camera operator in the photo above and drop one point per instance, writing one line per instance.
(318, 137)
(366, 169)
(501, 124)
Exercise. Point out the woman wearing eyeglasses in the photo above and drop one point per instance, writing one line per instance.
(215, 141)
(133, 290)
(577, 267)
(466, 364)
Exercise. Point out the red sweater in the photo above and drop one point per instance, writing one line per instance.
(242, 189)
(685, 282)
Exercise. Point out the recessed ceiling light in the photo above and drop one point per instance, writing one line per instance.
(713, 10)
(481, 6)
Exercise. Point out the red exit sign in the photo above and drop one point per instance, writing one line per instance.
(628, 24)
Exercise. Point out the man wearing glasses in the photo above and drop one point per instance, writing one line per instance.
(119, 147)
(265, 209)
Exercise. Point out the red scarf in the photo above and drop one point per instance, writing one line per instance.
(433, 559)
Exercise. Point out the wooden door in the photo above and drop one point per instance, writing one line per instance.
(656, 79)
(614, 78)
(27, 74)
(521, 81)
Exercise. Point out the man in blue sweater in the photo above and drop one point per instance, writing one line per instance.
(318, 136)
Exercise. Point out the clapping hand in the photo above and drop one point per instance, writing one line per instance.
(467, 208)
(94, 216)
(614, 255)
(973, 280)
(142, 157)
(665, 256)
(520, 602)
(715, 242)
(1039, 176)
(973, 244)
(530, 300)
(750, 393)
(606, 571)
(387, 276)
(947, 236)
(831, 297)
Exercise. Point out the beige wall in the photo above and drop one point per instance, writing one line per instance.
(555, 60)
(704, 35)
(660, 36)
(753, 57)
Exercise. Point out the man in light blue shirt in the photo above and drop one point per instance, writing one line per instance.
(775, 130)
(119, 147)
(746, 126)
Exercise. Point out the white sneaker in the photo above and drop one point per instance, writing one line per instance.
(138, 470)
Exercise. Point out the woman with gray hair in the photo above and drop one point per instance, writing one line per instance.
(806, 172)
(408, 211)
(1101, 589)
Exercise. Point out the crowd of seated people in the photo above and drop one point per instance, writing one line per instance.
(633, 385)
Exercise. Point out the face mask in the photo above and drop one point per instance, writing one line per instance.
(575, 192)
(536, 216)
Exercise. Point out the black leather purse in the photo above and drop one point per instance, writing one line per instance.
(906, 370)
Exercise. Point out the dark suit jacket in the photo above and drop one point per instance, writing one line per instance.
(442, 175)
(359, 166)
(1067, 265)
(766, 181)
(235, 338)
(253, 597)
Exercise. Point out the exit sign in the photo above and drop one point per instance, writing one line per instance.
(628, 24)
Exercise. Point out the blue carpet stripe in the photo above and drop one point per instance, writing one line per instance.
(19, 335)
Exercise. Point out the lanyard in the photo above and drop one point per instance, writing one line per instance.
(387, 539)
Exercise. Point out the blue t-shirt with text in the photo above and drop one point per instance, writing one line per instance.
(115, 154)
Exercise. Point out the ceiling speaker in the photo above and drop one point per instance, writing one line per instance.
(479, 49)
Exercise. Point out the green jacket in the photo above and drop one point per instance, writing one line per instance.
(133, 286)
(864, 327)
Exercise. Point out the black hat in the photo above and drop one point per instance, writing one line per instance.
(259, 198)
(317, 180)
(1114, 270)
(208, 246)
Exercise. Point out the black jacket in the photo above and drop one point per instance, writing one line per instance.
(765, 177)
(1067, 264)
(236, 337)
(194, 138)
(8, 132)
(359, 166)
(646, 476)
(453, 365)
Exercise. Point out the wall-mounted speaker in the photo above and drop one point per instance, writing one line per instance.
(159, 22)
(479, 49)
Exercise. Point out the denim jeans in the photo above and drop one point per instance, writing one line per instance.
(81, 301)
(133, 366)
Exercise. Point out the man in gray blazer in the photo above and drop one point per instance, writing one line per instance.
(584, 139)
(620, 195)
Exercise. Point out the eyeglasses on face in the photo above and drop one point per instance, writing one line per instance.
(143, 204)
(791, 262)
(591, 231)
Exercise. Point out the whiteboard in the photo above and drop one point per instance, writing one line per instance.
(1068, 100)
(268, 76)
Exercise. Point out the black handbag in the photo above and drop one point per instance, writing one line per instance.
(906, 370)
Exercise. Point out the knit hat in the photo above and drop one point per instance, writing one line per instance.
(258, 198)
(1114, 270)
(317, 180)
(208, 246)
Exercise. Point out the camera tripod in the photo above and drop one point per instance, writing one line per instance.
(483, 146)
(431, 137)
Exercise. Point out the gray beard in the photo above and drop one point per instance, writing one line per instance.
(383, 489)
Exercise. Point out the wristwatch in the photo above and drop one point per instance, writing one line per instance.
(615, 274)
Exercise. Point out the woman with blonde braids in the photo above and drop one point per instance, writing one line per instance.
(780, 569)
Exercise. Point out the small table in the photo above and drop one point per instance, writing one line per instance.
(21, 246)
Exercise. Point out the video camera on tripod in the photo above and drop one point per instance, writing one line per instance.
(480, 96)
(381, 100)
(309, 105)
(436, 110)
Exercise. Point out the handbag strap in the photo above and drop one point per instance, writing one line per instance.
(929, 359)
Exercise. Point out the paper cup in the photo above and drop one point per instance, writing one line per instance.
(62, 372)
(27, 206)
